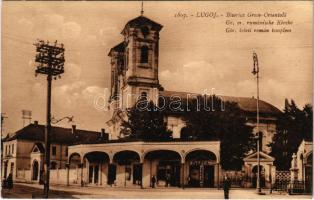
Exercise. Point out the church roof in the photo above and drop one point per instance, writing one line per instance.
(118, 48)
(141, 20)
(264, 157)
(247, 104)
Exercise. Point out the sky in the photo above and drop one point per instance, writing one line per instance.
(195, 54)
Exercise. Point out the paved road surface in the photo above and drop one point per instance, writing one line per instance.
(26, 191)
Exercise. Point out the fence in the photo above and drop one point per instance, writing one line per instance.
(282, 181)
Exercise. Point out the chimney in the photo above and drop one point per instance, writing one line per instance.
(35, 122)
(73, 129)
(104, 135)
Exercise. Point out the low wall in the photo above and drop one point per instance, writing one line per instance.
(57, 176)
(23, 176)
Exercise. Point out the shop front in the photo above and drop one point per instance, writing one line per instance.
(140, 164)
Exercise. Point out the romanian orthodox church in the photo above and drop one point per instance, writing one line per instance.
(110, 161)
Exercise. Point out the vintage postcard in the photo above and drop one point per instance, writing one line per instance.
(157, 99)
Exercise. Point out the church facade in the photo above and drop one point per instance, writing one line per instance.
(134, 74)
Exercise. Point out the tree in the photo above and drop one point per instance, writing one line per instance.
(145, 122)
(225, 121)
(293, 126)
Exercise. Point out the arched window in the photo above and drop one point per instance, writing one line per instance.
(144, 54)
(144, 96)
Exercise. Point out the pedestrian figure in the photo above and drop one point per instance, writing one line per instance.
(4, 183)
(153, 181)
(10, 181)
(226, 186)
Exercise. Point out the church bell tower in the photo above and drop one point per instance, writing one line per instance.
(135, 62)
(134, 69)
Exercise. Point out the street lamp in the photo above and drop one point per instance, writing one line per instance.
(55, 121)
(50, 61)
(256, 72)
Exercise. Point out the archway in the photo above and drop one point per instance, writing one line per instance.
(74, 165)
(128, 162)
(165, 166)
(201, 165)
(74, 160)
(262, 176)
(35, 170)
(96, 164)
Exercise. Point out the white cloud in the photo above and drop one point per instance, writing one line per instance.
(26, 24)
(71, 29)
(54, 26)
(195, 76)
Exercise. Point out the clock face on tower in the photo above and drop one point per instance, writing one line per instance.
(145, 30)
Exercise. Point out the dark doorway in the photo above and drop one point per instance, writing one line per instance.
(309, 174)
(169, 171)
(112, 174)
(262, 176)
(96, 173)
(201, 168)
(35, 170)
(194, 176)
(12, 169)
(137, 174)
(90, 174)
(201, 175)
(5, 169)
(308, 179)
(209, 175)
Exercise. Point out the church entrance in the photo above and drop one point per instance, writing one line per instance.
(262, 176)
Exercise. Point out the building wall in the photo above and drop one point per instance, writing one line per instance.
(18, 154)
(10, 154)
(304, 151)
(175, 124)
(268, 128)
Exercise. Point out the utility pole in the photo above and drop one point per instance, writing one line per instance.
(50, 62)
(256, 72)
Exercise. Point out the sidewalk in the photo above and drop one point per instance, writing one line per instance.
(158, 193)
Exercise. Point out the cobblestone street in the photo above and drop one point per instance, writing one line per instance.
(27, 190)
